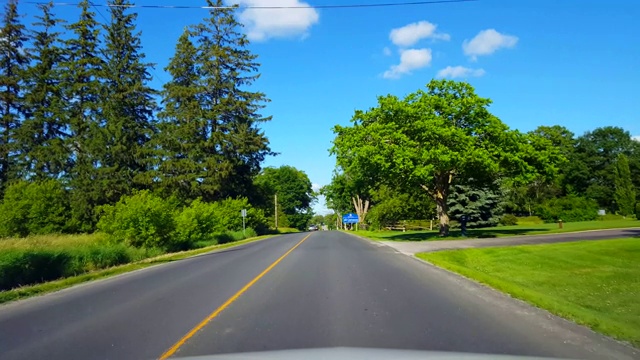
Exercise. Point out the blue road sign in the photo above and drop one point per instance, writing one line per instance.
(350, 219)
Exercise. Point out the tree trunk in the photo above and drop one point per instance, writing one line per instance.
(443, 213)
(362, 207)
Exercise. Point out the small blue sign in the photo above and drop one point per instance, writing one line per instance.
(350, 219)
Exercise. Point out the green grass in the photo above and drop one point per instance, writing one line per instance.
(501, 231)
(75, 242)
(594, 283)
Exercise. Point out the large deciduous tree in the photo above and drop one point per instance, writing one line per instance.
(13, 61)
(434, 139)
(294, 191)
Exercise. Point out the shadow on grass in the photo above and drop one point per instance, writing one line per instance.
(457, 235)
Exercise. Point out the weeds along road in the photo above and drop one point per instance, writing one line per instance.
(307, 290)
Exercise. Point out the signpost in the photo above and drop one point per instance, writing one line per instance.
(351, 219)
(243, 212)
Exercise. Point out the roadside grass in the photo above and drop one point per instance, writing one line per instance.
(501, 231)
(59, 242)
(594, 283)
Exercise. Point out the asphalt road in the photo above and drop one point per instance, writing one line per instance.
(331, 290)
(414, 247)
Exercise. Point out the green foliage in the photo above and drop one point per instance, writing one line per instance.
(210, 136)
(391, 206)
(530, 220)
(13, 62)
(483, 207)
(508, 220)
(568, 209)
(294, 191)
(127, 106)
(42, 136)
(227, 216)
(141, 220)
(624, 191)
(638, 211)
(437, 138)
(34, 208)
(195, 223)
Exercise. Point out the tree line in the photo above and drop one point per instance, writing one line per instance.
(80, 120)
(439, 152)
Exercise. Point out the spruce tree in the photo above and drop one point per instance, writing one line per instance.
(42, 136)
(82, 73)
(230, 147)
(127, 107)
(182, 126)
(483, 206)
(13, 61)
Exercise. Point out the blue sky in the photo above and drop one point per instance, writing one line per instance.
(574, 63)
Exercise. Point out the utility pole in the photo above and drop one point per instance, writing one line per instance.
(276, 213)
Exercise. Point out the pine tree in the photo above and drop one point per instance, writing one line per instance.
(230, 146)
(182, 127)
(127, 107)
(82, 88)
(625, 194)
(42, 136)
(13, 61)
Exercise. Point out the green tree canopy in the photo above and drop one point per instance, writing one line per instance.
(435, 139)
(624, 192)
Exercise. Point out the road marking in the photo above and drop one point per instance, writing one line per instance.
(172, 350)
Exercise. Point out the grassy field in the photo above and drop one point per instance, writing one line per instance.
(501, 231)
(595, 283)
(41, 264)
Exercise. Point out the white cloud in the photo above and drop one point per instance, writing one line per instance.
(636, 138)
(263, 24)
(487, 42)
(459, 72)
(316, 187)
(410, 59)
(386, 51)
(410, 34)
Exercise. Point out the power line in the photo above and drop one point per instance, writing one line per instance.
(344, 6)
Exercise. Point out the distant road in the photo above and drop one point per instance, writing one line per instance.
(411, 248)
(329, 290)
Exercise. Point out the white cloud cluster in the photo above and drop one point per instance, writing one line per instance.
(410, 34)
(487, 42)
(410, 59)
(459, 72)
(263, 24)
(316, 187)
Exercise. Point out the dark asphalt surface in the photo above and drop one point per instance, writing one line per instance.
(410, 248)
(333, 290)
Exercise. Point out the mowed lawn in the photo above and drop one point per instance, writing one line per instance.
(595, 283)
(501, 231)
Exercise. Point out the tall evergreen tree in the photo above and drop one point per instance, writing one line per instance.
(230, 147)
(42, 136)
(182, 126)
(82, 88)
(625, 194)
(13, 61)
(483, 206)
(127, 107)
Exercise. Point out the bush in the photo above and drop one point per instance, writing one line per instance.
(638, 211)
(568, 209)
(227, 216)
(509, 220)
(34, 208)
(610, 217)
(142, 220)
(195, 224)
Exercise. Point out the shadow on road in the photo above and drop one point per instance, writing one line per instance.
(471, 234)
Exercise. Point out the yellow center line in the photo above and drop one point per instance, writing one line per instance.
(172, 350)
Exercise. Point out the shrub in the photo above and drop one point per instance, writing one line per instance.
(142, 220)
(34, 208)
(195, 224)
(610, 217)
(568, 209)
(638, 211)
(509, 220)
(227, 215)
